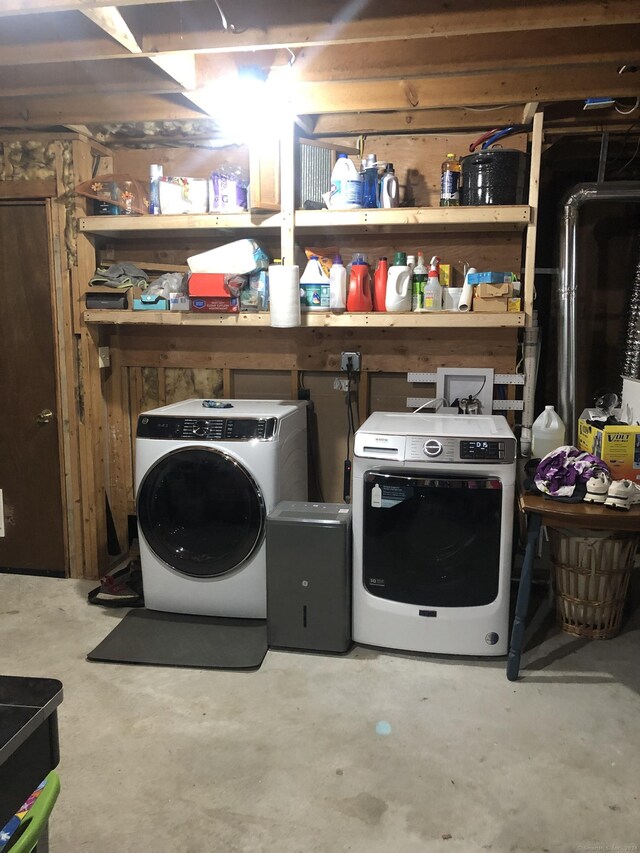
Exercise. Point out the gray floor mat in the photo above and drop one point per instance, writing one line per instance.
(175, 639)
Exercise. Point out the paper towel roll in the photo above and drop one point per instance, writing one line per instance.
(284, 296)
(466, 299)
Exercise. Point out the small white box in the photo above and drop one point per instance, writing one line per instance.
(178, 302)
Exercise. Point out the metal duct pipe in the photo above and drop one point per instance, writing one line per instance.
(608, 191)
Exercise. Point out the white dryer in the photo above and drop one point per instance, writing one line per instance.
(432, 526)
(206, 479)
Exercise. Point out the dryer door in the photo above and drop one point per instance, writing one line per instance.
(201, 512)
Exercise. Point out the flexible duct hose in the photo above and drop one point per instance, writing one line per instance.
(631, 359)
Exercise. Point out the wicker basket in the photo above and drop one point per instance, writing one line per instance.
(591, 578)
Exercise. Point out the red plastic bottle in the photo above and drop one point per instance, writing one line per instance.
(380, 285)
(359, 294)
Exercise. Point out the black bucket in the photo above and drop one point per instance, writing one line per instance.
(495, 176)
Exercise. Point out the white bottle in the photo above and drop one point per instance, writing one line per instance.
(432, 293)
(346, 185)
(548, 433)
(314, 287)
(389, 189)
(398, 296)
(337, 285)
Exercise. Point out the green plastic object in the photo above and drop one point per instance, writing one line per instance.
(35, 821)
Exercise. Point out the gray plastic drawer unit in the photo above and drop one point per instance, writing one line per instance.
(309, 576)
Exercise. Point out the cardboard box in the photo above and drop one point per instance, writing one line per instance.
(150, 302)
(489, 277)
(617, 446)
(214, 304)
(486, 291)
(494, 305)
(215, 284)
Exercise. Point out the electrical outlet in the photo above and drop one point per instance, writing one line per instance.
(350, 357)
(104, 357)
(2, 533)
(341, 385)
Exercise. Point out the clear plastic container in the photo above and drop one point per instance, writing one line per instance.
(548, 433)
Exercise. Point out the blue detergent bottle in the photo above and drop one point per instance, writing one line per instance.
(370, 182)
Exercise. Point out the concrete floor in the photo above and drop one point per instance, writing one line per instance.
(288, 759)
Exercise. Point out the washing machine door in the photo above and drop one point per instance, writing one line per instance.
(201, 512)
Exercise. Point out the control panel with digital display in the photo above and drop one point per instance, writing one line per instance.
(482, 449)
(207, 429)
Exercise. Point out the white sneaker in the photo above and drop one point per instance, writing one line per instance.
(597, 488)
(622, 494)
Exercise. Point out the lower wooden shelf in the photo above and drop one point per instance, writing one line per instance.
(312, 319)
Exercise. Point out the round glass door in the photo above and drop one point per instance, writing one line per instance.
(201, 512)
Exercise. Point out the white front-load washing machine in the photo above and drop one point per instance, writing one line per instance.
(206, 479)
(432, 530)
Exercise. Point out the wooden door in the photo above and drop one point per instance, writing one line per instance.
(29, 451)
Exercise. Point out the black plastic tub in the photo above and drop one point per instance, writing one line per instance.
(495, 176)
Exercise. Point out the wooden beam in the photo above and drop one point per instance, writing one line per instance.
(28, 189)
(309, 23)
(548, 84)
(33, 7)
(459, 54)
(109, 19)
(45, 112)
(414, 121)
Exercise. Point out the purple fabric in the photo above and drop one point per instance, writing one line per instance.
(560, 471)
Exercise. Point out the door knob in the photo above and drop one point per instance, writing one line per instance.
(45, 416)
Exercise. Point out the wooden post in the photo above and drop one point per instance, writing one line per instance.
(532, 227)
(287, 192)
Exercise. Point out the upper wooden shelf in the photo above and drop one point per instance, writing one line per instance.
(492, 217)
(312, 319)
(136, 226)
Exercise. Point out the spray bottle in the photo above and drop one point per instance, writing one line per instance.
(432, 295)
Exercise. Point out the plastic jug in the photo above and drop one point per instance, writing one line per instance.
(398, 296)
(389, 195)
(314, 287)
(346, 185)
(548, 432)
(337, 285)
(380, 285)
(359, 296)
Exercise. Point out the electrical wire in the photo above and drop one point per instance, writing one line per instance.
(630, 161)
(430, 403)
(226, 26)
(487, 109)
(627, 112)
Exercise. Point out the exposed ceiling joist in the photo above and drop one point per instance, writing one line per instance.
(261, 25)
(32, 7)
(180, 67)
(462, 90)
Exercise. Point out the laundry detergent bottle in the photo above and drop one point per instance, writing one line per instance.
(398, 297)
(380, 285)
(314, 287)
(337, 286)
(548, 432)
(359, 296)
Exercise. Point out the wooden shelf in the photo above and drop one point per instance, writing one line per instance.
(490, 217)
(442, 319)
(407, 219)
(167, 225)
